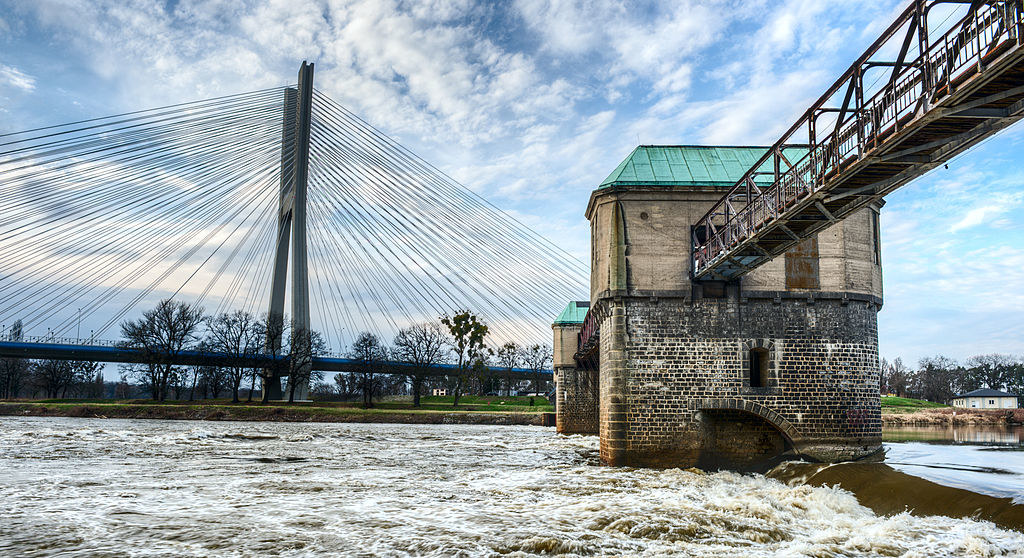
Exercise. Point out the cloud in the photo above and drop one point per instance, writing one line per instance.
(986, 213)
(14, 77)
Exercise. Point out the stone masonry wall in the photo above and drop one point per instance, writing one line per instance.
(576, 403)
(688, 356)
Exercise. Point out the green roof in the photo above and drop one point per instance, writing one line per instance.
(687, 165)
(573, 313)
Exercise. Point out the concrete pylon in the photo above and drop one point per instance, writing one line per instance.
(291, 227)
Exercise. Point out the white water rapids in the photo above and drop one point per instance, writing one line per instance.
(95, 487)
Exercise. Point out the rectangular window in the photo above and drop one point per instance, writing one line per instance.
(876, 238)
(758, 368)
(991, 401)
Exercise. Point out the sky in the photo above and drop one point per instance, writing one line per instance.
(531, 104)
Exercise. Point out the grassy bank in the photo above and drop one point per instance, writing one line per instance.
(480, 412)
(948, 416)
(907, 405)
(903, 411)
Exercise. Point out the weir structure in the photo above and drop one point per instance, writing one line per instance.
(734, 290)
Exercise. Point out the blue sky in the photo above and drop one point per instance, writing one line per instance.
(532, 103)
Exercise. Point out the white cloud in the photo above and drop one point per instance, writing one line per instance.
(987, 213)
(14, 77)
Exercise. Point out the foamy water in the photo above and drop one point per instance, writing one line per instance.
(115, 487)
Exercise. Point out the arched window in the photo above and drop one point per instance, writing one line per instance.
(758, 368)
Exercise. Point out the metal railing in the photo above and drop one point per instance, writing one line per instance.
(859, 129)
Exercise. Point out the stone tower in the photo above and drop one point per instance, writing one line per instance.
(708, 373)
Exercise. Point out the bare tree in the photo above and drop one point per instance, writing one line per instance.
(52, 377)
(369, 354)
(303, 346)
(991, 371)
(83, 375)
(422, 346)
(537, 358)
(467, 343)
(274, 329)
(508, 356)
(240, 337)
(162, 334)
(13, 374)
(215, 380)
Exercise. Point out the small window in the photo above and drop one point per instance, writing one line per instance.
(876, 238)
(991, 401)
(758, 368)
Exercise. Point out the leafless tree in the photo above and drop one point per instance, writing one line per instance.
(274, 329)
(162, 334)
(508, 357)
(13, 374)
(303, 346)
(370, 355)
(84, 374)
(422, 346)
(240, 336)
(52, 377)
(537, 358)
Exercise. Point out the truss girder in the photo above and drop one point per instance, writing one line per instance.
(947, 88)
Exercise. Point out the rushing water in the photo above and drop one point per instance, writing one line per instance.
(113, 487)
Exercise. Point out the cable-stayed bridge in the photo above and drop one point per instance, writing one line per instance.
(278, 201)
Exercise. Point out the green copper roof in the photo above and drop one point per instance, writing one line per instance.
(573, 313)
(686, 165)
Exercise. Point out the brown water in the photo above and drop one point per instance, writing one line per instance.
(94, 487)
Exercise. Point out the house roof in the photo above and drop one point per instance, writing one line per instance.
(985, 393)
(573, 313)
(687, 165)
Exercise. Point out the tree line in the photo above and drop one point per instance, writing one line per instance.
(173, 327)
(939, 378)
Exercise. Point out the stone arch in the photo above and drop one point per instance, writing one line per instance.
(789, 432)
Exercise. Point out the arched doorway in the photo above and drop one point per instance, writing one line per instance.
(736, 437)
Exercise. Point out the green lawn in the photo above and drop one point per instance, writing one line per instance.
(907, 403)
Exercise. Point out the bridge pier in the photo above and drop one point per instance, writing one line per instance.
(576, 382)
(713, 373)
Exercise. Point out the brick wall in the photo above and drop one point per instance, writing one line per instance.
(576, 400)
(684, 357)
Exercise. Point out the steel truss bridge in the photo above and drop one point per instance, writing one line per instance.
(943, 77)
(258, 202)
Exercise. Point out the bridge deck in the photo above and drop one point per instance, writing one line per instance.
(966, 86)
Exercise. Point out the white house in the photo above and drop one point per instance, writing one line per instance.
(986, 399)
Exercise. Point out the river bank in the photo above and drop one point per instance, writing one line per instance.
(950, 416)
(315, 412)
(269, 413)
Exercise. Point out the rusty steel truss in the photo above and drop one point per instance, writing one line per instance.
(917, 97)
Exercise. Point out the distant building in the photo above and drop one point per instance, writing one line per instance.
(986, 399)
(436, 392)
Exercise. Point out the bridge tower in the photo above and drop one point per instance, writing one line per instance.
(291, 231)
(699, 372)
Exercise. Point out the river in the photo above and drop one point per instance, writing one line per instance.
(96, 487)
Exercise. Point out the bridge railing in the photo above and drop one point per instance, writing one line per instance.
(588, 331)
(861, 125)
(59, 340)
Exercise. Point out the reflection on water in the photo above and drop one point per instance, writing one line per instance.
(110, 487)
(960, 434)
